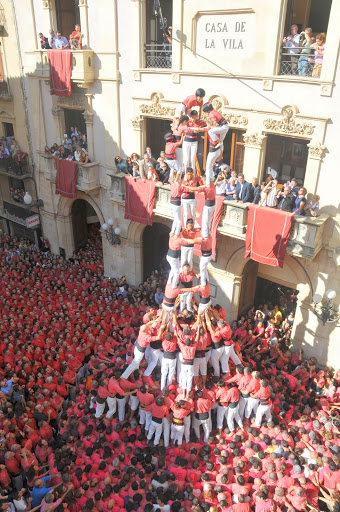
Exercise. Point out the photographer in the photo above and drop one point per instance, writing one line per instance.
(291, 45)
(221, 184)
(306, 60)
(167, 34)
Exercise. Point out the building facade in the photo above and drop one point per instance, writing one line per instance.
(127, 84)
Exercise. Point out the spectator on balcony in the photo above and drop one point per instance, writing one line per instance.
(75, 142)
(256, 190)
(63, 153)
(144, 166)
(291, 45)
(44, 45)
(70, 149)
(135, 170)
(221, 184)
(231, 189)
(69, 157)
(77, 153)
(128, 163)
(319, 49)
(78, 37)
(294, 187)
(243, 192)
(304, 65)
(300, 202)
(74, 131)
(286, 200)
(61, 43)
(312, 208)
(270, 194)
(120, 165)
(51, 39)
(151, 155)
(15, 149)
(84, 158)
(163, 173)
(73, 42)
(135, 158)
(83, 142)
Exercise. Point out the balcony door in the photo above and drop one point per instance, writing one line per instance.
(67, 12)
(74, 118)
(158, 49)
(287, 156)
(155, 130)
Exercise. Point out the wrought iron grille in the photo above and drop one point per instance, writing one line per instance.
(158, 55)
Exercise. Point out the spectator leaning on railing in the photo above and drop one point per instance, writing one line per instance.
(319, 49)
(306, 60)
(291, 44)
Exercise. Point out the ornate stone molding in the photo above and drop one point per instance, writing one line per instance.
(6, 113)
(88, 116)
(156, 109)
(2, 16)
(220, 103)
(46, 4)
(253, 139)
(136, 123)
(56, 112)
(316, 150)
(82, 3)
(74, 101)
(287, 123)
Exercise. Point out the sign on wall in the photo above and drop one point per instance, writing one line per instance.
(226, 35)
(33, 221)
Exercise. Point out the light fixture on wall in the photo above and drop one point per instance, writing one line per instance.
(28, 200)
(324, 310)
(112, 234)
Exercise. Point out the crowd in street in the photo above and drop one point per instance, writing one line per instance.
(258, 431)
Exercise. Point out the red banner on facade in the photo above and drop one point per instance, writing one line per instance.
(139, 200)
(60, 72)
(66, 180)
(267, 235)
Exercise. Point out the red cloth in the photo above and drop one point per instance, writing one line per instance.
(60, 72)
(139, 200)
(215, 220)
(267, 235)
(66, 180)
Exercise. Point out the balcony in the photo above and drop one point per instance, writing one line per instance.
(82, 66)
(12, 169)
(88, 177)
(290, 66)
(158, 55)
(5, 95)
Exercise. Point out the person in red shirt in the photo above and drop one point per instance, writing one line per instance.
(188, 197)
(168, 367)
(187, 249)
(170, 153)
(158, 411)
(252, 387)
(195, 100)
(232, 398)
(190, 142)
(202, 407)
(181, 409)
(145, 401)
(186, 278)
(143, 340)
(188, 350)
(176, 190)
(265, 403)
(222, 128)
(173, 258)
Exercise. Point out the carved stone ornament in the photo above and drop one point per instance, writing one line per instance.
(316, 150)
(156, 109)
(253, 139)
(88, 116)
(136, 123)
(287, 124)
(56, 112)
(2, 16)
(46, 4)
(75, 101)
(82, 3)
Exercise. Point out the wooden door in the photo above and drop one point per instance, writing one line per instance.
(66, 16)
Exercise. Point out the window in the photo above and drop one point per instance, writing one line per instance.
(287, 157)
(297, 55)
(155, 130)
(234, 150)
(158, 46)
(7, 130)
(16, 189)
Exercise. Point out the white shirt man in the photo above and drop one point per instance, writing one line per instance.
(61, 43)
(292, 42)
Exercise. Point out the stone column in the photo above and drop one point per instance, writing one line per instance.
(50, 19)
(58, 116)
(254, 155)
(88, 116)
(84, 25)
(315, 155)
(138, 123)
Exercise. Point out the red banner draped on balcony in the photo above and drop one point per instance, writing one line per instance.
(66, 180)
(267, 235)
(139, 200)
(60, 72)
(215, 220)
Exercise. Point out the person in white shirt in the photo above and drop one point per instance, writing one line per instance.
(61, 43)
(51, 39)
(291, 45)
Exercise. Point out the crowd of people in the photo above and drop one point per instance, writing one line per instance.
(302, 54)
(59, 42)
(73, 147)
(110, 401)
(12, 159)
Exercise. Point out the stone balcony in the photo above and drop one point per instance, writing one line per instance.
(82, 66)
(88, 177)
(306, 238)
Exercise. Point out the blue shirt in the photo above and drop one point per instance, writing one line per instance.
(6, 389)
(59, 43)
(38, 493)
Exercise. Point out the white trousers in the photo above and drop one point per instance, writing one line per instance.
(177, 222)
(219, 130)
(206, 220)
(177, 432)
(112, 403)
(174, 271)
(229, 353)
(216, 356)
(187, 255)
(203, 307)
(155, 358)
(263, 410)
(168, 370)
(242, 406)
(206, 428)
(145, 418)
(133, 402)
(251, 406)
(187, 423)
(200, 366)
(166, 431)
(100, 409)
(189, 154)
(175, 167)
(211, 159)
(134, 365)
(179, 156)
(186, 377)
(186, 301)
(233, 415)
(222, 412)
(121, 407)
(204, 261)
(179, 368)
(155, 428)
(188, 206)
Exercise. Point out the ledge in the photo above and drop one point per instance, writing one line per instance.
(82, 66)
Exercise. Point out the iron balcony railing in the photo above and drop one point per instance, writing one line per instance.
(158, 55)
(14, 167)
(300, 64)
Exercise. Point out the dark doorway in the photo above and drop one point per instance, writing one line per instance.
(79, 223)
(268, 292)
(155, 131)
(74, 118)
(68, 15)
(233, 153)
(8, 130)
(155, 247)
(287, 156)
(248, 286)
